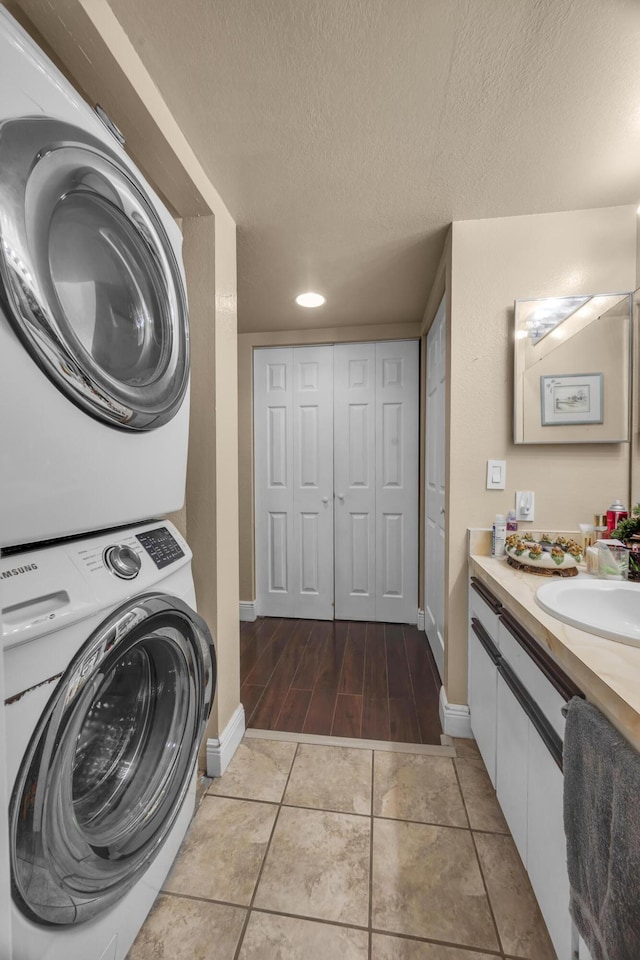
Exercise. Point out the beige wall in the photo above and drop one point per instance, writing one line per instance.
(495, 262)
(246, 344)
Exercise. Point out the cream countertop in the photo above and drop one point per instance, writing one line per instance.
(608, 672)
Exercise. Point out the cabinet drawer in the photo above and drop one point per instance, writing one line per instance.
(483, 691)
(544, 680)
(484, 606)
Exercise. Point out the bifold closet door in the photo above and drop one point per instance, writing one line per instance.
(293, 430)
(376, 480)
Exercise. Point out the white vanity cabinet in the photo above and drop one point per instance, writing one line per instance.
(516, 693)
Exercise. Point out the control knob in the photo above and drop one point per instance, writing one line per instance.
(123, 561)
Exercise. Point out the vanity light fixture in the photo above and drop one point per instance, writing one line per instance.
(310, 300)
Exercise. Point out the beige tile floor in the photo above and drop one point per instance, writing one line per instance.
(310, 852)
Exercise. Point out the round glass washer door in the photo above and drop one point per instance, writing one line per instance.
(88, 275)
(110, 763)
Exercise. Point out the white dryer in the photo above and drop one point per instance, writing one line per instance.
(94, 338)
(109, 679)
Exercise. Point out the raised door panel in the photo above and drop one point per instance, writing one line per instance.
(273, 452)
(312, 574)
(396, 524)
(354, 485)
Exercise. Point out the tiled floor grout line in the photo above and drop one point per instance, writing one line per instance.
(354, 813)
(484, 951)
(482, 877)
(264, 860)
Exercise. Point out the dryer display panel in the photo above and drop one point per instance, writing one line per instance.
(161, 546)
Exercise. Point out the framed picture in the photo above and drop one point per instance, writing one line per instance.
(567, 400)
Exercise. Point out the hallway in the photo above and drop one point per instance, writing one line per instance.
(335, 678)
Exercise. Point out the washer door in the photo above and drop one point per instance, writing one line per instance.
(88, 275)
(110, 763)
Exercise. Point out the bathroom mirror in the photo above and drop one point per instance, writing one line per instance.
(572, 369)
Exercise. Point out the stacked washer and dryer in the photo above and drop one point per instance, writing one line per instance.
(109, 672)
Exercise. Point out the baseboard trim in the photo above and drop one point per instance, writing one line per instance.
(455, 718)
(220, 752)
(248, 610)
(420, 623)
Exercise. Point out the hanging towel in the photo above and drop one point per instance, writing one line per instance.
(602, 824)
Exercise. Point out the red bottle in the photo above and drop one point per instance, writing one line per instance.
(615, 514)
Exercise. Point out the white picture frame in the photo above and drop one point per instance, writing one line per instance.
(568, 400)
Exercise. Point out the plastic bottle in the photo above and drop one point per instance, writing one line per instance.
(512, 523)
(498, 536)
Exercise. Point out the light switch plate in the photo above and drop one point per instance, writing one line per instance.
(496, 474)
(525, 505)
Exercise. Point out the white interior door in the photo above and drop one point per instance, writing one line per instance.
(435, 487)
(293, 427)
(273, 431)
(313, 482)
(376, 480)
(397, 378)
(354, 367)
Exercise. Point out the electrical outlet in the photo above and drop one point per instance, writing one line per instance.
(525, 505)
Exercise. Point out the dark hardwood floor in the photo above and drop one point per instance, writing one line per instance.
(376, 681)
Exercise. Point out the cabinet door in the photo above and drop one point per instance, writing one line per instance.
(546, 843)
(512, 764)
(483, 689)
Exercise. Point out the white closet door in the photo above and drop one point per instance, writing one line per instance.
(355, 466)
(293, 429)
(376, 480)
(273, 432)
(312, 575)
(435, 483)
(397, 378)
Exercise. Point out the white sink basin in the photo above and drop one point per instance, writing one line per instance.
(608, 608)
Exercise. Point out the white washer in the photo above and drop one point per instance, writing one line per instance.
(109, 679)
(94, 338)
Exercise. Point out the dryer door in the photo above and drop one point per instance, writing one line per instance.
(88, 275)
(110, 763)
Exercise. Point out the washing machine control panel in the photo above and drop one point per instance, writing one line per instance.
(161, 546)
(122, 560)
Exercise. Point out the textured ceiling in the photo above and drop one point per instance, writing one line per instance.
(344, 135)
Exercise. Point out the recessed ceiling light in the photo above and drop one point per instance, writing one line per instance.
(310, 300)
